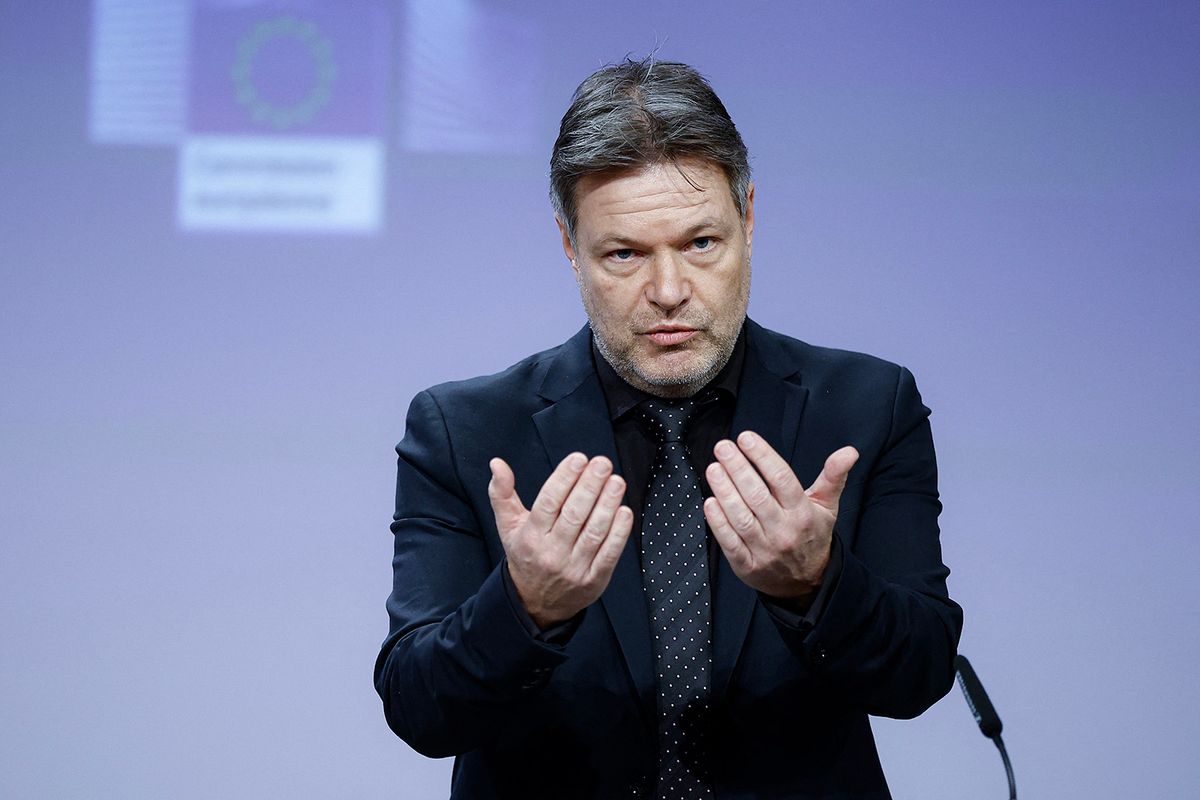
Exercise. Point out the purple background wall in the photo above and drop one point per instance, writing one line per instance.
(196, 429)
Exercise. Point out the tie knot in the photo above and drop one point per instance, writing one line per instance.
(667, 419)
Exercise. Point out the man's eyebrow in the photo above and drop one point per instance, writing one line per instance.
(704, 225)
(621, 241)
(615, 240)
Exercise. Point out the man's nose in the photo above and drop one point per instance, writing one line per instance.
(668, 287)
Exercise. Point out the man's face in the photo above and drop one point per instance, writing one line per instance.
(663, 266)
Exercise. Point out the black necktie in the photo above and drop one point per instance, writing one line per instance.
(675, 578)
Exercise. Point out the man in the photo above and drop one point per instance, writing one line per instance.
(678, 556)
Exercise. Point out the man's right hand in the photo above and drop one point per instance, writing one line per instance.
(562, 551)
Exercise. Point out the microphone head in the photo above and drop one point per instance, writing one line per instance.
(977, 699)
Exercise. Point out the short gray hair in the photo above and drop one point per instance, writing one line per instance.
(639, 113)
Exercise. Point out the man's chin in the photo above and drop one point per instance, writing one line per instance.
(686, 375)
(676, 371)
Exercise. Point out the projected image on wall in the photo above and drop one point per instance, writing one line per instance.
(278, 109)
(286, 118)
(283, 111)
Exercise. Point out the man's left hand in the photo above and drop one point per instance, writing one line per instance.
(776, 535)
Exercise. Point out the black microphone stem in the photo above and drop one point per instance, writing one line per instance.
(985, 714)
(1012, 782)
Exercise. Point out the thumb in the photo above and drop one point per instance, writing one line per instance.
(827, 488)
(502, 492)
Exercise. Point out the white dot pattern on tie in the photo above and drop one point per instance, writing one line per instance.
(675, 579)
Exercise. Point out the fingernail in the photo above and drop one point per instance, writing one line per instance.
(748, 440)
(725, 448)
(601, 466)
(577, 461)
(614, 487)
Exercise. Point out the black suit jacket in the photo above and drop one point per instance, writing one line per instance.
(459, 674)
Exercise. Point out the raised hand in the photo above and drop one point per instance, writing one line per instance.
(776, 535)
(562, 551)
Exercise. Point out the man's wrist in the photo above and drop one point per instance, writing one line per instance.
(554, 631)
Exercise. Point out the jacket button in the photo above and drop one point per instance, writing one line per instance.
(536, 678)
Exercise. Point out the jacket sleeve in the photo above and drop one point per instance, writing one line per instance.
(458, 661)
(887, 637)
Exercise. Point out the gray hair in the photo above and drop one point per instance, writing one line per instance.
(639, 113)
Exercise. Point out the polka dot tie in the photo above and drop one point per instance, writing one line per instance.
(675, 578)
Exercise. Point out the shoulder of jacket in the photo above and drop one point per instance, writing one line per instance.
(517, 380)
(810, 359)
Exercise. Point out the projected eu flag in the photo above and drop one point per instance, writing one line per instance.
(286, 119)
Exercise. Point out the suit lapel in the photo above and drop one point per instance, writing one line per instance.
(578, 419)
(770, 402)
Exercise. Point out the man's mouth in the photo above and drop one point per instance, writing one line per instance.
(667, 335)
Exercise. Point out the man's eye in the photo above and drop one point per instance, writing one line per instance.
(702, 242)
(622, 255)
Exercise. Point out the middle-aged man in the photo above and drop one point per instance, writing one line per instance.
(679, 555)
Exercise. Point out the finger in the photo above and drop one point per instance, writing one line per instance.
(582, 499)
(734, 548)
(613, 545)
(600, 521)
(827, 488)
(739, 516)
(502, 492)
(775, 471)
(549, 502)
(750, 486)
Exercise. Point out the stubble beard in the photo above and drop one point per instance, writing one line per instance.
(672, 383)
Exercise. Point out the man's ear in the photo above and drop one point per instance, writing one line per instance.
(567, 245)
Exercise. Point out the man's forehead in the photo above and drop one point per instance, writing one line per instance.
(690, 192)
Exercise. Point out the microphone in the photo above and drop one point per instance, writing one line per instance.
(977, 699)
(985, 714)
